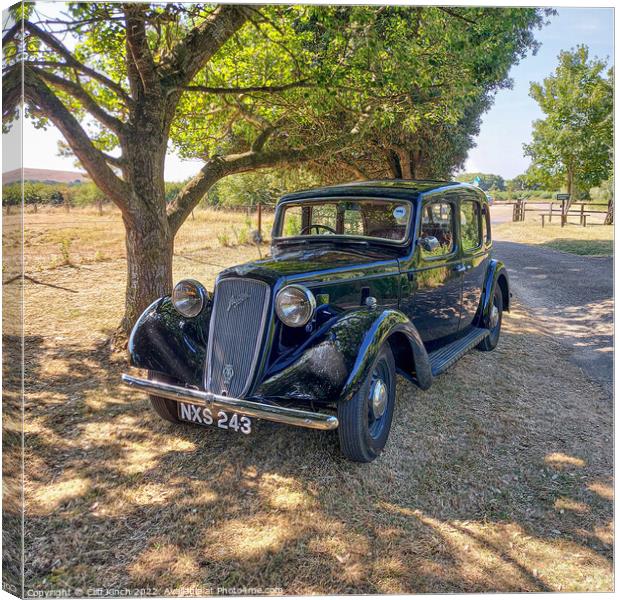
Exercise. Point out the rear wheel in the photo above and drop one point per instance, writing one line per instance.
(366, 419)
(166, 409)
(494, 322)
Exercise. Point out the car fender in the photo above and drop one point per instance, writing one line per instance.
(165, 341)
(496, 275)
(333, 364)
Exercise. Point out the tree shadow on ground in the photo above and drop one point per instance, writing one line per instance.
(496, 479)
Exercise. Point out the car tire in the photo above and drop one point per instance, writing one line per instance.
(166, 409)
(489, 342)
(366, 419)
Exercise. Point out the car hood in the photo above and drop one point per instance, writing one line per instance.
(305, 264)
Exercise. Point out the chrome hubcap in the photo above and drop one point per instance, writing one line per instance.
(379, 398)
(494, 318)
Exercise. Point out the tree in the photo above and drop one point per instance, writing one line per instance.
(488, 181)
(242, 88)
(572, 145)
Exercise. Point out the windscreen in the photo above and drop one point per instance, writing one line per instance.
(368, 218)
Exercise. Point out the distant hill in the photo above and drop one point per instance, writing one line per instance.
(45, 175)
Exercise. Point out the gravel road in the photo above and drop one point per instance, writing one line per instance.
(573, 296)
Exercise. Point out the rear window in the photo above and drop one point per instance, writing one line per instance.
(369, 218)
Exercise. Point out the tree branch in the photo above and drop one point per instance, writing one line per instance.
(9, 35)
(11, 92)
(262, 138)
(42, 100)
(61, 49)
(270, 89)
(456, 15)
(357, 171)
(115, 161)
(138, 47)
(219, 166)
(80, 94)
(191, 53)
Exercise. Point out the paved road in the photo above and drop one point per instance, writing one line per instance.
(501, 213)
(573, 297)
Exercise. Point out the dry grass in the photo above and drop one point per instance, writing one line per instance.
(594, 240)
(498, 478)
(54, 238)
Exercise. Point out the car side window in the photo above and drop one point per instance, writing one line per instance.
(471, 229)
(437, 222)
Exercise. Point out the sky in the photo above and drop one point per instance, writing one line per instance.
(505, 127)
(508, 125)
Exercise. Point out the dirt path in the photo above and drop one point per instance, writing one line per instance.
(572, 298)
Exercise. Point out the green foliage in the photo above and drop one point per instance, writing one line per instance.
(11, 194)
(518, 183)
(525, 195)
(572, 145)
(35, 192)
(65, 251)
(172, 189)
(604, 192)
(422, 77)
(40, 192)
(488, 181)
(224, 239)
(264, 187)
(86, 194)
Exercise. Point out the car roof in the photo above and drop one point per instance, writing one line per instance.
(395, 188)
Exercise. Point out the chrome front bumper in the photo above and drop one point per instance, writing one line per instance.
(269, 412)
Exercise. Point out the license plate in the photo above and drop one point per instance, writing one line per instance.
(203, 415)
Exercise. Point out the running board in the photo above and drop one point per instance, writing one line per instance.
(447, 355)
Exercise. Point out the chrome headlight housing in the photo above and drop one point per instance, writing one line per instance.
(295, 305)
(189, 297)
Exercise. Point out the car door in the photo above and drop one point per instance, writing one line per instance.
(432, 298)
(475, 253)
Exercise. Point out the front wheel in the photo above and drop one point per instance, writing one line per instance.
(166, 409)
(365, 420)
(494, 322)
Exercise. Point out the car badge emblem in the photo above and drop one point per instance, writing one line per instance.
(228, 374)
(237, 301)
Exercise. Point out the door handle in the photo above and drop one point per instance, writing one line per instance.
(460, 268)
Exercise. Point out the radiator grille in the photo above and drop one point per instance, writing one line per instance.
(235, 334)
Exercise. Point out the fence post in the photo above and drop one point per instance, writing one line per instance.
(259, 207)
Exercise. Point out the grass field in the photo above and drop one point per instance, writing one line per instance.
(594, 240)
(499, 478)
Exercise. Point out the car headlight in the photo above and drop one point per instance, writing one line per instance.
(189, 297)
(295, 305)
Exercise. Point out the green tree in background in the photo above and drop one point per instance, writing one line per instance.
(488, 181)
(572, 145)
(245, 88)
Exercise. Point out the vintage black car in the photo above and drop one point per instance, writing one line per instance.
(364, 281)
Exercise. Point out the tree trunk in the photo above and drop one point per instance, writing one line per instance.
(149, 267)
(569, 188)
(404, 158)
(148, 237)
(394, 165)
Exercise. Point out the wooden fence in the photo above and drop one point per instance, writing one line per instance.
(558, 208)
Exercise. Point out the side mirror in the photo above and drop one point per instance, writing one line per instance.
(429, 243)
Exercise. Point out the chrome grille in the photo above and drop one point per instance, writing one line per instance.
(235, 334)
